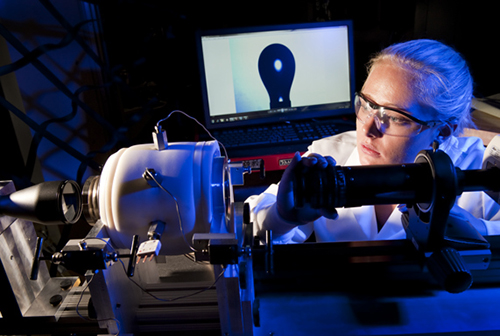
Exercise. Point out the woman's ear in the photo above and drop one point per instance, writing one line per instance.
(445, 131)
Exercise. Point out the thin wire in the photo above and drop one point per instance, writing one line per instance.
(101, 239)
(107, 242)
(204, 128)
(192, 258)
(88, 319)
(179, 297)
(138, 285)
(81, 297)
(176, 208)
(159, 185)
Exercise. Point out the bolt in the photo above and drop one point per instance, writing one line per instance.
(55, 300)
(66, 284)
(83, 245)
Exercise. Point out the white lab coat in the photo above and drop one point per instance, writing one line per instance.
(359, 223)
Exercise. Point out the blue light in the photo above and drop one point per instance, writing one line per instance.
(278, 65)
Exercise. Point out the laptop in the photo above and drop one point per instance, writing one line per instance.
(275, 89)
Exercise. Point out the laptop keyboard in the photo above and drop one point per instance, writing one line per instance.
(282, 133)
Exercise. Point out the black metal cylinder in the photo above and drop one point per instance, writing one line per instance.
(479, 179)
(337, 186)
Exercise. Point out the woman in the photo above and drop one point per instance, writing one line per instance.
(416, 93)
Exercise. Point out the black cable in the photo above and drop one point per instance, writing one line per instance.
(35, 142)
(108, 72)
(29, 58)
(77, 309)
(52, 78)
(32, 57)
(74, 99)
(59, 17)
(84, 164)
(49, 136)
(152, 295)
(179, 297)
(39, 51)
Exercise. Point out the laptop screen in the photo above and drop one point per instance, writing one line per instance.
(260, 75)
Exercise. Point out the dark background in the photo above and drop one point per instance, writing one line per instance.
(153, 41)
(148, 48)
(150, 65)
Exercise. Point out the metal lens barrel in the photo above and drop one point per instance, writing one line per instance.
(337, 186)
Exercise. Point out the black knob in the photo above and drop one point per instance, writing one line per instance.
(449, 270)
(55, 300)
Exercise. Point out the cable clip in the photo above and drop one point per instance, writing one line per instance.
(160, 138)
(152, 177)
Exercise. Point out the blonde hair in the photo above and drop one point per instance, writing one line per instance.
(440, 78)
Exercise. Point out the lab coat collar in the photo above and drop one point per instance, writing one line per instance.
(365, 215)
(353, 159)
(393, 228)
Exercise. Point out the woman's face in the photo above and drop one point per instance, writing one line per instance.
(390, 86)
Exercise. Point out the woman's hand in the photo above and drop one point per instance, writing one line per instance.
(285, 198)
